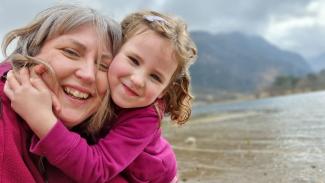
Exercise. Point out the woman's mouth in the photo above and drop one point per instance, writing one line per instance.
(76, 93)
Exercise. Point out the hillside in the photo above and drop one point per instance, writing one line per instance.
(318, 63)
(235, 62)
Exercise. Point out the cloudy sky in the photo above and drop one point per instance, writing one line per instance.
(297, 25)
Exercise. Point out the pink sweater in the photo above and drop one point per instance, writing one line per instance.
(16, 163)
(134, 145)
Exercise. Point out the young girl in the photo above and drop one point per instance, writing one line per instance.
(148, 78)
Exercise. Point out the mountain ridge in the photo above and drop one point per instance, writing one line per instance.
(237, 62)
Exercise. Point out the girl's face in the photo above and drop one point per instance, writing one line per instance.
(73, 57)
(141, 70)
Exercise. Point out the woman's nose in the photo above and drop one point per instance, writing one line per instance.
(86, 71)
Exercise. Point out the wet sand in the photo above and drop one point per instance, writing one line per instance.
(249, 147)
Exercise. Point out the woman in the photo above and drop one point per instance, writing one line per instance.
(78, 44)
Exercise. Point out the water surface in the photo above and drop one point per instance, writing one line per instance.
(278, 140)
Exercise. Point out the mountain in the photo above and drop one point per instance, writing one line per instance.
(240, 63)
(318, 63)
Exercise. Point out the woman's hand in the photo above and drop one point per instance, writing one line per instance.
(32, 100)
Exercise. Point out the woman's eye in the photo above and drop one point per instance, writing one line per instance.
(155, 77)
(70, 52)
(103, 67)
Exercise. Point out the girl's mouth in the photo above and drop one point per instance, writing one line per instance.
(130, 91)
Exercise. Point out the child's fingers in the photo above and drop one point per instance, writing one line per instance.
(35, 76)
(8, 91)
(24, 76)
(12, 81)
(38, 83)
(56, 103)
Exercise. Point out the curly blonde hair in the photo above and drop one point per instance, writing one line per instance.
(178, 97)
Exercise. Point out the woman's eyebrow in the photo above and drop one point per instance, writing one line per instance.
(107, 56)
(76, 43)
(83, 47)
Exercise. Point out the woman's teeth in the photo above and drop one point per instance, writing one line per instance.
(76, 93)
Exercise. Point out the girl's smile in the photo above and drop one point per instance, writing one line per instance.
(141, 70)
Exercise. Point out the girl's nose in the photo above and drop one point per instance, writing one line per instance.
(138, 79)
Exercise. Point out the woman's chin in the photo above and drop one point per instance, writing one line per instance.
(70, 120)
(69, 123)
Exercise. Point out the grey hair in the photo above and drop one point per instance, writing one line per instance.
(59, 20)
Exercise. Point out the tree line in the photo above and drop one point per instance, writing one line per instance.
(283, 85)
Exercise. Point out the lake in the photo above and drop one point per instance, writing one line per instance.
(279, 139)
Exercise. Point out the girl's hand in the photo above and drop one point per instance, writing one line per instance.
(32, 100)
(39, 70)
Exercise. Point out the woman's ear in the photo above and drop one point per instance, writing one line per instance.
(40, 69)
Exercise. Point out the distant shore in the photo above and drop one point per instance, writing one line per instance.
(238, 97)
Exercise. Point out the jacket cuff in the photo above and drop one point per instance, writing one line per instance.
(55, 144)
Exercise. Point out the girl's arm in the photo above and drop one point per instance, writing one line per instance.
(31, 99)
(104, 160)
(71, 153)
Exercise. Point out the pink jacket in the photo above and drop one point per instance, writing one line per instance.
(133, 145)
(16, 163)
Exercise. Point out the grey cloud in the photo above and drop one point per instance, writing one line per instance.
(248, 16)
(308, 40)
(232, 15)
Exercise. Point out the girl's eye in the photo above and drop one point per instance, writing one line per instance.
(71, 52)
(155, 77)
(134, 61)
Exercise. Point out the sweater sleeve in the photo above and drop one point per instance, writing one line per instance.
(106, 159)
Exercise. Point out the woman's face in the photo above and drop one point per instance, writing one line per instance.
(73, 57)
